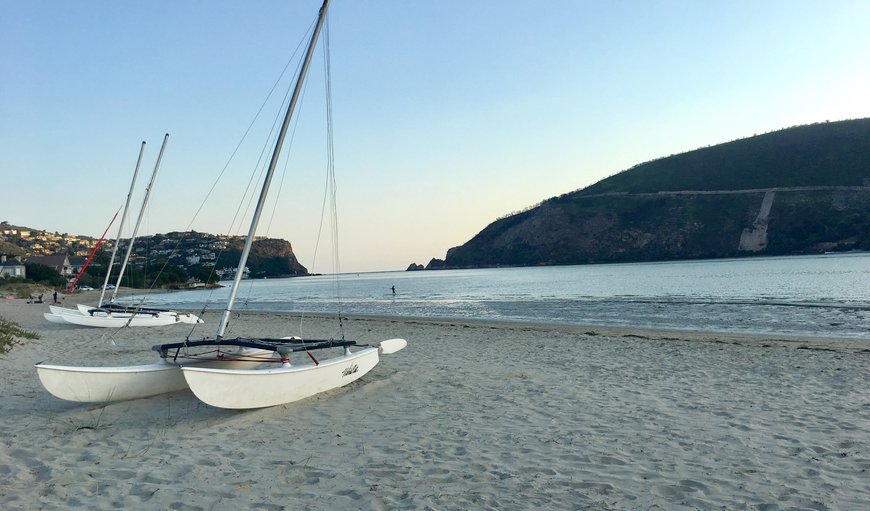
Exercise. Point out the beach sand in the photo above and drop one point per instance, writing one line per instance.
(469, 416)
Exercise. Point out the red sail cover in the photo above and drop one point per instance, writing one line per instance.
(94, 251)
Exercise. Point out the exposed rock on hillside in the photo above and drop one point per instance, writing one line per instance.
(800, 190)
(269, 258)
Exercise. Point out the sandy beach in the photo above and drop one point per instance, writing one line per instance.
(469, 416)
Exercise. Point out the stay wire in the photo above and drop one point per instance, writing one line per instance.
(329, 204)
(235, 151)
(248, 195)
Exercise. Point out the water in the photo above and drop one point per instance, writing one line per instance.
(825, 295)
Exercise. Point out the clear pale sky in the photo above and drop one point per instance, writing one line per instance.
(447, 114)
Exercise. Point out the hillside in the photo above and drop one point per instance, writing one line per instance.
(825, 154)
(16, 240)
(795, 191)
(195, 254)
(193, 251)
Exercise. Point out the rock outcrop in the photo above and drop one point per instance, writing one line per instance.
(796, 191)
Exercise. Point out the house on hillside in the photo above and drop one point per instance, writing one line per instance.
(11, 268)
(76, 263)
(58, 262)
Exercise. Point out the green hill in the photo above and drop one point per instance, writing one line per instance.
(825, 154)
(794, 191)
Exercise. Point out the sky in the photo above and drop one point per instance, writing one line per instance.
(446, 115)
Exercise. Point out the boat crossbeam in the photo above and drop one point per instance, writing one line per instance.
(282, 346)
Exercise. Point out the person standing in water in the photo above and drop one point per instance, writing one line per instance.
(393, 288)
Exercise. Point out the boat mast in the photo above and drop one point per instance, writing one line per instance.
(272, 165)
(121, 227)
(139, 220)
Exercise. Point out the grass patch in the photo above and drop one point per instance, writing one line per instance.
(10, 332)
(23, 289)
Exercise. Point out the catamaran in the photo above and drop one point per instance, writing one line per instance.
(239, 373)
(111, 315)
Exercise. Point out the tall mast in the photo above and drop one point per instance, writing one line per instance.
(141, 214)
(243, 260)
(121, 227)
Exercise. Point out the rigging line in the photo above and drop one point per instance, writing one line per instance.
(251, 124)
(331, 177)
(329, 193)
(241, 141)
(289, 152)
(237, 217)
(84, 345)
(260, 167)
(286, 101)
(270, 141)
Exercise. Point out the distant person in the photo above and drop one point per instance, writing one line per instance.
(39, 300)
(393, 288)
(54, 296)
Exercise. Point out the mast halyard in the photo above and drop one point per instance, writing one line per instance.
(121, 227)
(141, 214)
(272, 165)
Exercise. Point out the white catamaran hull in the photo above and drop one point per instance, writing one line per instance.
(115, 320)
(112, 321)
(245, 389)
(233, 388)
(106, 384)
(62, 310)
(183, 317)
(53, 318)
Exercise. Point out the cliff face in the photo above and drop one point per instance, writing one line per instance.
(268, 258)
(673, 226)
(803, 190)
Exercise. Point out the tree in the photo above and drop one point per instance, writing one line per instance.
(44, 274)
(204, 274)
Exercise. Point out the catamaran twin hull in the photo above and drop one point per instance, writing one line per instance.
(222, 387)
(107, 384)
(234, 382)
(105, 318)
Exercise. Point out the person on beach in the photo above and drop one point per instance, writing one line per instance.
(393, 288)
(54, 296)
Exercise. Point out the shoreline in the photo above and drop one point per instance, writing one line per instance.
(664, 334)
(771, 320)
(471, 415)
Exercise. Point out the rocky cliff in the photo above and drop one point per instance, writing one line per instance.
(795, 191)
(269, 258)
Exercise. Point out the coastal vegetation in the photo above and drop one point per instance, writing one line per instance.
(40, 280)
(10, 332)
(171, 260)
(821, 154)
(42, 274)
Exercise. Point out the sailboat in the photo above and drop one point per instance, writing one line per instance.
(238, 373)
(110, 315)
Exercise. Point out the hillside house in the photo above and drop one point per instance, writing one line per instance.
(59, 262)
(21, 233)
(76, 263)
(11, 269)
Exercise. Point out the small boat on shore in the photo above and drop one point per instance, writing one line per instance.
(239, 373)
(110, 315)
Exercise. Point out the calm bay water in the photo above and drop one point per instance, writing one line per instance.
(825, 295)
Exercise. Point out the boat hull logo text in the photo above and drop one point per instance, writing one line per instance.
(350, 370)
